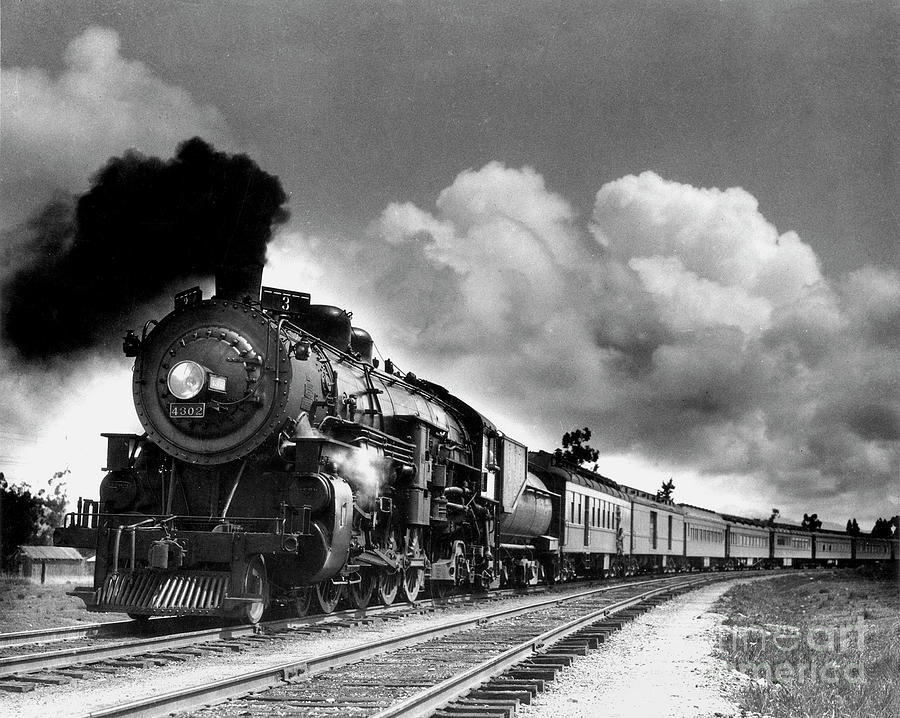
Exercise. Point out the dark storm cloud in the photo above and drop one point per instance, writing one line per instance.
(144, 223)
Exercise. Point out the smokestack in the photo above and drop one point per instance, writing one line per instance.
(145, 225)
(239, 282)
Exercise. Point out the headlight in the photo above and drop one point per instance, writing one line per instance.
(186, 379)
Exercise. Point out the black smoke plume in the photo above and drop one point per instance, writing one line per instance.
(145, 223)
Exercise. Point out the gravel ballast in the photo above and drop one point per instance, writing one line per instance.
(105, 690)
(660, 664)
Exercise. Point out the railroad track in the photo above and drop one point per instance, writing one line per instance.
(499, 659)
(68, 633)
(23, 672)
(85, 650)
(161, 625)
(280, 638)
(166, 640)
(477, 670)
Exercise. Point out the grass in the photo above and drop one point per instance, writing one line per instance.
(27, 606)
(815, 646)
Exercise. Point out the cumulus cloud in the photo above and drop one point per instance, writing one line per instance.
(675, 321)
(58, 130)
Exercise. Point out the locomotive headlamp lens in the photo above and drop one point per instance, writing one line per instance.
(186, 379)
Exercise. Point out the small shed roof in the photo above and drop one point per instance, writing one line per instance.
(50, 553)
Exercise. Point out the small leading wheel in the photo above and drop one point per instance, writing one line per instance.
(328, 595)
(413, 580)
(388, 586)
(360, 594)
(301, 599)
(256, 585)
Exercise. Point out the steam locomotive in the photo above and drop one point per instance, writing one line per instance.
(281, 465)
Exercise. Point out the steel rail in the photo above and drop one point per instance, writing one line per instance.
(431, 699)
(197, 696)
(67, 657)
(64, 633)
(112, 628)
(13, 665)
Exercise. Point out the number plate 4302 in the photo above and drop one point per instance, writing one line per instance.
(187, 411)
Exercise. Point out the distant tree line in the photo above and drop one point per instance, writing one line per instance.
(29, 517)
(886, 528)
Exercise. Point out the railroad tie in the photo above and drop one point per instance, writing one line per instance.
(506, 684)
(130, 663)
(558, 649)
(463, 704)
(189, 651)
(545, 673)
(611, 625)
(323, 703)
(576, 641)
(171, 656)
(476, 709)
(48, 679)
(16, 686)
(73, 672)
(305, 631)
(547, 659)
(216, 648)
(522, 696)
(233, 645)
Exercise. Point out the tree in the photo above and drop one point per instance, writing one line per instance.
(29, 517)
(575, 448)
(775, 514)
(666, 490)
(852, 527)
(886, 528)
(811, 522)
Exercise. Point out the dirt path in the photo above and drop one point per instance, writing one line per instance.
(660, 664)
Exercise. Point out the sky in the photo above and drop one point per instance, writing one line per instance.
(672, 222)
